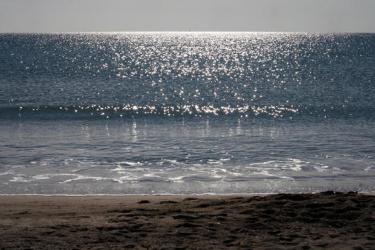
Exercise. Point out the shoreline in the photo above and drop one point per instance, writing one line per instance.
(186, 194)
(276, 221)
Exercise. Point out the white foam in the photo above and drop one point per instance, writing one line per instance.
(118, 169)
(321, 168)
(368, 168)
(19, 179)
(49, 176)
(9, 172)
(95, 178)
(130, 163)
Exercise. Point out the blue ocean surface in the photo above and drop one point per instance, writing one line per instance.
(182, 113)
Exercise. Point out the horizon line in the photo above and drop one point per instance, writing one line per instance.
(190, 31)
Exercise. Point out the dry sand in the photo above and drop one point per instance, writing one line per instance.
(283, 221)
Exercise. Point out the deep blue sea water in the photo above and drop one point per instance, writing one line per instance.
(152, 113)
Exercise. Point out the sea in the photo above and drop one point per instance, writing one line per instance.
(186, 113)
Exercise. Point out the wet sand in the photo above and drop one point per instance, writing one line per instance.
(284, 221)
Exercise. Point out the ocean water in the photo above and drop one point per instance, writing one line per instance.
(182, 113)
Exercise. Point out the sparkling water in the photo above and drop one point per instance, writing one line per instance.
(157, 113)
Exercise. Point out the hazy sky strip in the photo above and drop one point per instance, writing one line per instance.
(187, 15)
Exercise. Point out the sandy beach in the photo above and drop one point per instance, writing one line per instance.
(283, 221)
